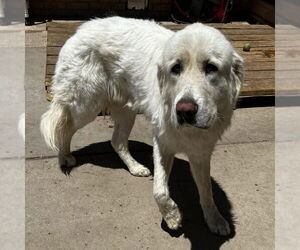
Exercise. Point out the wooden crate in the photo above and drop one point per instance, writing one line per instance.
(259, 61)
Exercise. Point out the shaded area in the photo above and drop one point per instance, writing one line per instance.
(182, 188)
(184, 192)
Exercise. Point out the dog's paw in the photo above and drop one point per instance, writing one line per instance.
(173, 218)
(139, 170)
(67, 161)
(217, 224)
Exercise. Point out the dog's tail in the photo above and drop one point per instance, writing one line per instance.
(56, 125)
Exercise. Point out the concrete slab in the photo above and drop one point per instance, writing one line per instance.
(287, 124)
(287, 178)
(12, 200)
(101, 206)
(11, 101)
(35, 59)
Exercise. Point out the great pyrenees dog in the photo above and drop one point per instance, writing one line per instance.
(186, 83)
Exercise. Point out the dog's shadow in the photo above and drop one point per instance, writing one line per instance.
(182, 188)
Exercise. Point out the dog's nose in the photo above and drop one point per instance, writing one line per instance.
(186, 110)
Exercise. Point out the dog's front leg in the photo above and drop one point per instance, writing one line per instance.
(201, 172)
(163, 161)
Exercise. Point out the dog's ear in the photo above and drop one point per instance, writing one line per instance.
(237, 75)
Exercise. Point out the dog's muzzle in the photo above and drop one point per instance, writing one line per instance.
(186, 110)
(189, 113)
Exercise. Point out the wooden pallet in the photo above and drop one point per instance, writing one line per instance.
(259, 61)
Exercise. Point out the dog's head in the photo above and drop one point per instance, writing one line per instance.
(200, 76)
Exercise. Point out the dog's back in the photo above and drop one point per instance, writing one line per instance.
(107, 62)
(104, 55)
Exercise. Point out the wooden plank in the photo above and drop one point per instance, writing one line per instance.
(251, 37)
(254, 44)
(258, 87)
(269, 49)
(287, 75)
(57, 39)
(51, 59)
(288, 86)
(287, 44)
(53, 50)
(263, 74)
(259, 65)
(288, 65)
(261, 56)
(291, 37)
(50, 69)
(247, 31)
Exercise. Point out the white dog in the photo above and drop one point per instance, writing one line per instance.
(186, 83)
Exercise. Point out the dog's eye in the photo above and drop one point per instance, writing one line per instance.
(176, 69)
(209, 68)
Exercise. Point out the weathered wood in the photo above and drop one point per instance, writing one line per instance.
(50, 69)
(287, 86)
(254, 87)
(53, 50)
(287, 75)
(263, 74)
(259, 65)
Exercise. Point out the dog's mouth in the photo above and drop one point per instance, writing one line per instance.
(191, 123)
(194, 125)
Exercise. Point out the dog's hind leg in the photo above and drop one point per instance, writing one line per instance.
(57, 128)
(59, 124)
(124, 121)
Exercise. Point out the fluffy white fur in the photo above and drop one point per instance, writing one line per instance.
(125, 66)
